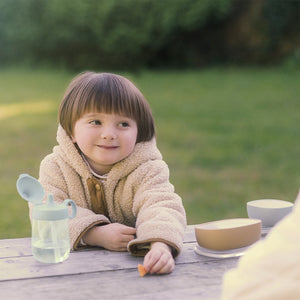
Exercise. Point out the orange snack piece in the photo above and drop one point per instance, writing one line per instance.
(142, 270)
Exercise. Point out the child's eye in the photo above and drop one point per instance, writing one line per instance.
(124, 124)
(95, 122)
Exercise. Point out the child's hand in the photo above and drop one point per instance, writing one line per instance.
(159, 259)
(112, 236)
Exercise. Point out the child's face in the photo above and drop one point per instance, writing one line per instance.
(105, 139)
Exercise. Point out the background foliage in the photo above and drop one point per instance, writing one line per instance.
(147, 33)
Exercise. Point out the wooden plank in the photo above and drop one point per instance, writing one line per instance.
(78, 262)
(15, 247)
(200, 280)
(189, 235)
(84, 262)
(22, 246)
(106, 274)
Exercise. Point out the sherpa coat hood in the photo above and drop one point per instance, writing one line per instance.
(137, 193)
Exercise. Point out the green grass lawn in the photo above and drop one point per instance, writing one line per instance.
(229, 135)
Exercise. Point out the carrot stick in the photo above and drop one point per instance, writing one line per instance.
(142, 270)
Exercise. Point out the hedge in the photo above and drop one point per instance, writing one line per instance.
(146, 33)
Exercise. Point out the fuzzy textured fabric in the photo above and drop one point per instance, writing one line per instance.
(137, 193)
(271, 268)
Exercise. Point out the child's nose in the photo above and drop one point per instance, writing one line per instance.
(108, 134)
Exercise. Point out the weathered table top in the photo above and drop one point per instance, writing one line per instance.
(102, 274)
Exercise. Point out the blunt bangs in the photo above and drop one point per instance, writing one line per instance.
(106, 93)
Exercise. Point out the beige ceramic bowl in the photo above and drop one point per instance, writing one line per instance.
(228, 234)
(269, 211)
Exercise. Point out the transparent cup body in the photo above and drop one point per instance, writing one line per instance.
(50, 240)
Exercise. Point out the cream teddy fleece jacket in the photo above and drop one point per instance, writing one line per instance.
(271, 268)
(136, 193)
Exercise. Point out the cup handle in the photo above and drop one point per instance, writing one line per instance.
(74, 207)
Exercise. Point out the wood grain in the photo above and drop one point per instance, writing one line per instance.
(102, 274)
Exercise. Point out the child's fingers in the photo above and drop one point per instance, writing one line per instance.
(126, 238)
(150, 260)
(159, 263)
(128, 230)
(167, 268)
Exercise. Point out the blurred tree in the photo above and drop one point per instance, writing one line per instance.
(147, 33)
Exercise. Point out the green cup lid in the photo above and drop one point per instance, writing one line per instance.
(32, 191)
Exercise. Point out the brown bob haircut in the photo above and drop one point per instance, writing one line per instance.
(106, 93)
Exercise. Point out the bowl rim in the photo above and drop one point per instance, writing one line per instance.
(255, 221)
(252, 204)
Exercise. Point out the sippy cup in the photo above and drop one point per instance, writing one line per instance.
(50, 240)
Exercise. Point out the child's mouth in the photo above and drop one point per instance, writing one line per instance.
(107, 147)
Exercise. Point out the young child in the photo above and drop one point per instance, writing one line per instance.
(107, 161)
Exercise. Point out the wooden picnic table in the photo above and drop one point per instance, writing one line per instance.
(101, 274)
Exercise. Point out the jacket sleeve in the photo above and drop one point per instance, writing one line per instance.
(160, 215)
(64, 183)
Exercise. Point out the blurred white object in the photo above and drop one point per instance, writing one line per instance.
(269, 211)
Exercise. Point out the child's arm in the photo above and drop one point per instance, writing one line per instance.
(112, 236)
(159, 259)
(62, 183)
(160, 215)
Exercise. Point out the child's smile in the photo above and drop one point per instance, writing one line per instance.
(107, 147)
